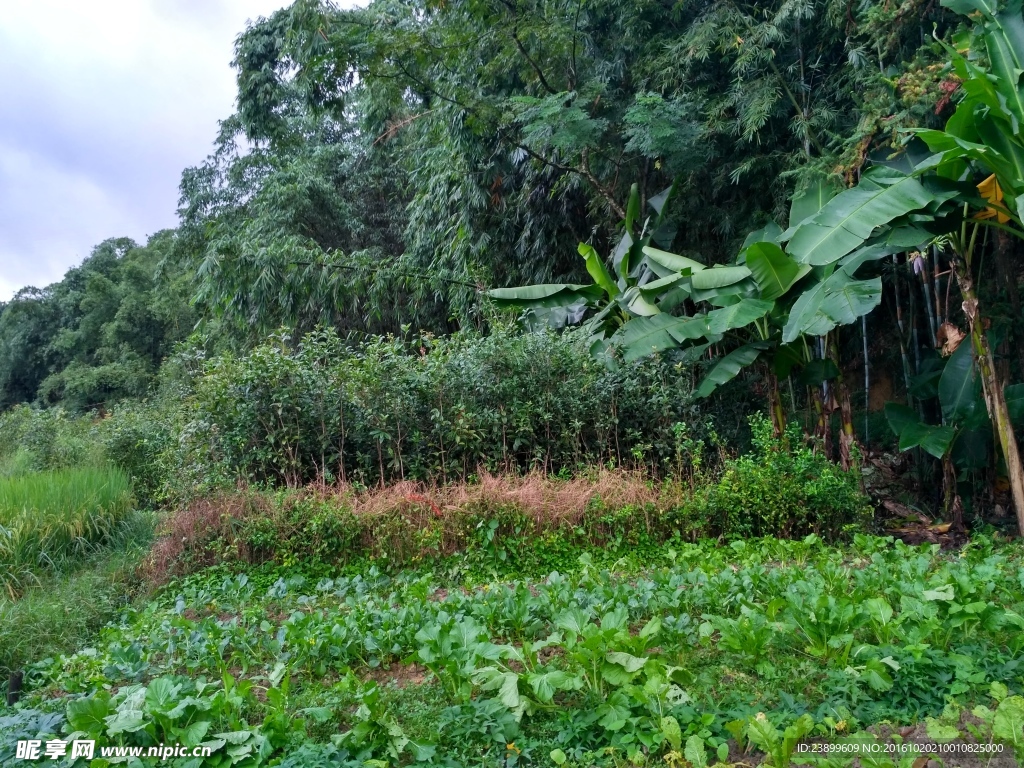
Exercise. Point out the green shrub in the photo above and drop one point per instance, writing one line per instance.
(433, 409)
(784, 487)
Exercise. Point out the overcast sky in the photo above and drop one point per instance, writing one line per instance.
(102, 104)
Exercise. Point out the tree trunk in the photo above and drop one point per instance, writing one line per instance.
(842, 392)
(995, 397)
(778, 413)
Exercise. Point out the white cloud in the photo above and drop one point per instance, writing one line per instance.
(104, 104)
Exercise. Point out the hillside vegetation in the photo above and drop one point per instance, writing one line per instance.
(544, 384)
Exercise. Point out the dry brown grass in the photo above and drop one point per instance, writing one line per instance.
(405, 520)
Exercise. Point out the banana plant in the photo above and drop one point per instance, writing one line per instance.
(615, 296)
(983, 138)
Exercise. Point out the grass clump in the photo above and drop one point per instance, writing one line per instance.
(48, 519)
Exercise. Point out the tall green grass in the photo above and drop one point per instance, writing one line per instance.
(50, 518)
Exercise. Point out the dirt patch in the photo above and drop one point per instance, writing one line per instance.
(398, 675)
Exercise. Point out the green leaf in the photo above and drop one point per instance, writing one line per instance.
(595, 267)
(629, 662)
(632, 207)
(90, 714)
(876, 674)
(848, 219)
(672, 261)
(728, 368)
(614, 712)
(762, 733)
(810, 201)
(718, 277)
(900, 417)
(934, 440)
(1008, 723)
(642, 336)
(958, 385)
(940, 731)
(695, 752)
(672, 733)
(839, 300)
(161, 694)
(546, 295)
(557, 756)
(737, 315)
(774, 271)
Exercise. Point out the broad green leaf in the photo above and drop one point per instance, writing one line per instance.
(672, 261)
(614, 712)
(595, 267)
(90, 714)
(629, 662)
(958, 385)
(547, 295)
(839, 300)
(900, 417)
(738, 315)
(642, 336)
(728, 368)
(762, 733)
(672, 733)
(774, 271)
(934, 440)
(844, 302)
(877, 675)
(1008, 723)
(637, 304)
(848, 219)
(770, 233)
(940, 731)
(695, 753)
(810, 201)
(557, 756)
(161, 694)
(878, 610)
(718, 277)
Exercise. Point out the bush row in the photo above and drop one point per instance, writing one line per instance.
(518, 523)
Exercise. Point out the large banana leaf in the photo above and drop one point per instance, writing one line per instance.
(848, 219)
(546, 295)
(810, 201)
(1004, 40)
(729, 367)
(672, 261)
(774, 271)
(718, 277)
(738, 315)
(595, 267)
(958, 385)
(913, 433)
(644, 336)
(839, 300)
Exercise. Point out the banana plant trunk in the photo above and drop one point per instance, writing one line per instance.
(846, 433)
(992, 388)
(775, 402)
